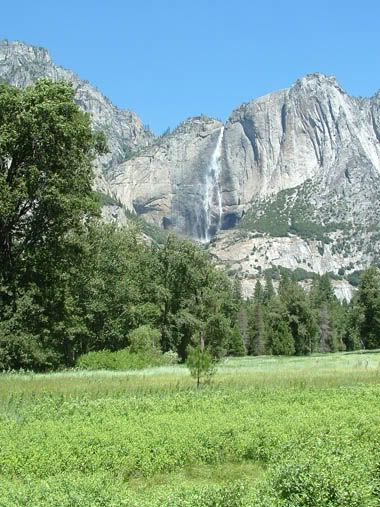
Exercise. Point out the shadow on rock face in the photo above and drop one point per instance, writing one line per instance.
(230, 220)
(167, 224)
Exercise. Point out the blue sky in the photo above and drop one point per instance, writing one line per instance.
(170, 59)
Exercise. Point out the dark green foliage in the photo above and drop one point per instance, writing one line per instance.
(243, 322)
(352, 338)
(322, 290)
(257, 330)
(21, 346)
(114, 294)
(317, 321)
(329, 314)
(195, 298)
(22, 350)
(308, 229)
(354, 278)
(124, 292)
(269, 291)
(106, 199)
(300, 317)
(235, 343)
(258, 295)
(365, 312)
(116, 288)
(216, 335)
(46, 150)
(278, 336)
(298, 274)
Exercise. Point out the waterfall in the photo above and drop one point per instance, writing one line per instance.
(212, 192)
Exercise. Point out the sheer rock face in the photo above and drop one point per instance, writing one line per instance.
(313, 129)
(167, 182)
(324, 145)
(21, 65)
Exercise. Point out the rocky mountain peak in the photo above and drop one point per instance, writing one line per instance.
(22, 64)
(317, 80)
(14, 50)
(197, 125)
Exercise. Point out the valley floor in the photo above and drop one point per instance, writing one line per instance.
(267, 432)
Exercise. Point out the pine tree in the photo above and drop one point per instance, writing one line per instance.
(258, 294)
(257, 330)
(368, 301)
(235, 343)
(268, 292)
(300, 316)
(278, 337)
(328, 313)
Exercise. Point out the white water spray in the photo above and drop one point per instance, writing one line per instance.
(213, 194)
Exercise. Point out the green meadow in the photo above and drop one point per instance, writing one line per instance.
(296, 431)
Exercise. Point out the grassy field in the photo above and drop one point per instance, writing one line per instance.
(267, 432)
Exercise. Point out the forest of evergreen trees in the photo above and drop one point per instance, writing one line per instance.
(294, 321)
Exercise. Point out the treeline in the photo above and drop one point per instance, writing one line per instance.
(113, 285)
(293, 321)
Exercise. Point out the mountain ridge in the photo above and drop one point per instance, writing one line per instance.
(21, 65)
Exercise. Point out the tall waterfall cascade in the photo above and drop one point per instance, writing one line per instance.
(212, 192)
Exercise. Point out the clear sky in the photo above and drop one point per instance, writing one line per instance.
(170, 59)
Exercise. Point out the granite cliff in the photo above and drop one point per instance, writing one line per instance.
(312, 131)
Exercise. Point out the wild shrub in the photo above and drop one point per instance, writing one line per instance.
(122, 359)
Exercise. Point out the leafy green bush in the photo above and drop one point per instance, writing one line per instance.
(123, 359)
(298, 274)
(144, 339)
(22, 350)
(354, 278)
(171, 357)
(325, 484)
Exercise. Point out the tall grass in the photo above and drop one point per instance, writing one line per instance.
(273, 432)
(246, 372)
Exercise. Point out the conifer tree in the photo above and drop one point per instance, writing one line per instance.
(278, 336)
(268, 292)
(257, 330)
(368, 308)
(300, 316)
(328, 313)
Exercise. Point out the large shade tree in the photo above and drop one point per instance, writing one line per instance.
(46, 149)
(46, 152)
